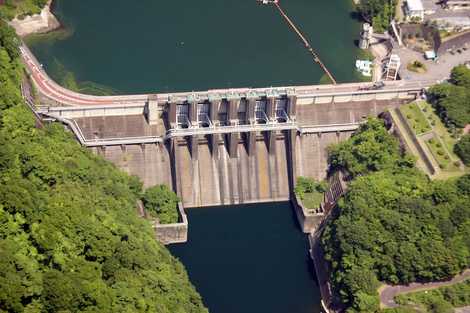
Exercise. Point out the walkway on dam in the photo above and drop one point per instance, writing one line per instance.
(64, 97)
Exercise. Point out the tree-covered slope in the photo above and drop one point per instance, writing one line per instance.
(11, 8)
(70, 237)
(452, 100)
(394, 224)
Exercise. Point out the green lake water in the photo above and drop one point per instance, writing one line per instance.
(249, 259)
(156, 46)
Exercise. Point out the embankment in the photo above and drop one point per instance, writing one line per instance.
(36, 24)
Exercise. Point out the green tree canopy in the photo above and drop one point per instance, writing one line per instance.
(371, 148)
(393, 225)
(460, 76)
(462, 149)
(377, 12)
(70, 236)
(161, 202)
(452, 102)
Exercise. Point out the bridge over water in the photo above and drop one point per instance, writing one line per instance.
(221, 146)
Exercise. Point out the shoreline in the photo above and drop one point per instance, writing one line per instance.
(42, 23)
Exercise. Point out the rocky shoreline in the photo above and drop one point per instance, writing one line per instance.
(36, 24)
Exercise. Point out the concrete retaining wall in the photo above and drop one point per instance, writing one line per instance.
(308, 221)
(411, 134)
(173, 233)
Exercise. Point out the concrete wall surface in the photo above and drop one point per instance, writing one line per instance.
(308, 221)
(173, 233)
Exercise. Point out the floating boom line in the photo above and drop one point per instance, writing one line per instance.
(305, 42)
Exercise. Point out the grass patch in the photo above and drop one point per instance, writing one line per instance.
(439, 128)
(415, 118)
(416, 67)
(310, 192)
(440, 154)
(312, 200)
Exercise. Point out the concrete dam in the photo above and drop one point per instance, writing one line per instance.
(218, 147)
(228, 150)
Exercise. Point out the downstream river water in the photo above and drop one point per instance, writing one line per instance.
(155, 45)
(249, 259)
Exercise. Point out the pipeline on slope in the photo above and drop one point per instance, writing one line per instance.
(305, 42)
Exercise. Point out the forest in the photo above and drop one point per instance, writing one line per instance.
(378, 13)
(11, 8)
(394, 225)
(70, 236)
(452, 99)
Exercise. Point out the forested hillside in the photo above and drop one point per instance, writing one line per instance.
(11, 8)
(452, 100)
(394, 224)
(377, 12)
(70, 238)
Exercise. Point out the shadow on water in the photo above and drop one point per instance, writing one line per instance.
(308, 261)
(250, 259)
(356, 16)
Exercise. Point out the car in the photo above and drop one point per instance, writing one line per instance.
(378, 85)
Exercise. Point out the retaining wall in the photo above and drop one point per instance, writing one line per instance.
(173, 233)
(308, 221)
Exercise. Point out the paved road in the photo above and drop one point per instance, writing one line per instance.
(436, 70)
(388, 293)
(465, 309)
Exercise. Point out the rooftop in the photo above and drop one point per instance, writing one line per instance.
(415, 5)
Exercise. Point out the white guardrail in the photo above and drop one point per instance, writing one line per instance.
(193, 131)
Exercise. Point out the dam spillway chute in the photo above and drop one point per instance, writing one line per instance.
(182, 116)
(203, 113)
(281, 111)
(260, 112)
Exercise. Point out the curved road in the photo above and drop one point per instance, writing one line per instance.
(47, 87)
(388, 293)
(62, 95)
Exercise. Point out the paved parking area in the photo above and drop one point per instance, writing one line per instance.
(438, 70)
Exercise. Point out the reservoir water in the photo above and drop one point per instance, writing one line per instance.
(249, 259)
(155, 45)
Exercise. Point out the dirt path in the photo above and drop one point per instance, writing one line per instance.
(387, 293)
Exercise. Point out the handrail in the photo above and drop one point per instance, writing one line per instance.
(192, 131)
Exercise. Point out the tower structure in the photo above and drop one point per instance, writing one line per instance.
(392, 67)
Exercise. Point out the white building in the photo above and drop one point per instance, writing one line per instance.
(414, 9)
